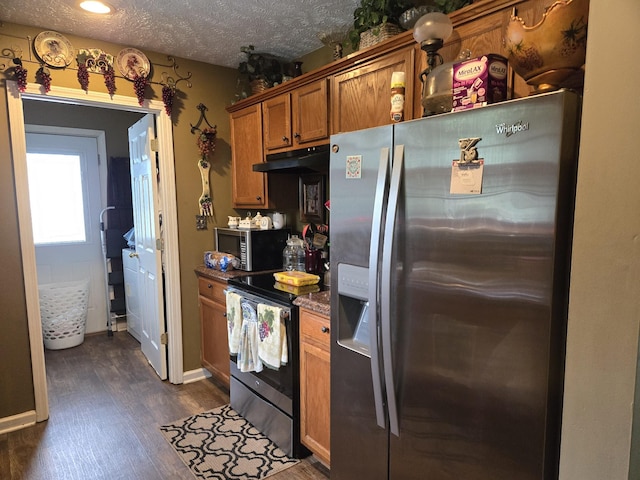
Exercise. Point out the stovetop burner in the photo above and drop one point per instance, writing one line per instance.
(263, 284)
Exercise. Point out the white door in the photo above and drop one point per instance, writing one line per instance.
(146, 220)
(64, 186)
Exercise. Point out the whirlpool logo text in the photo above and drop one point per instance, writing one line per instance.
(511, 129)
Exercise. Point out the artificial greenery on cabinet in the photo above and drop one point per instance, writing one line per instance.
(373, 14)
(448, 6)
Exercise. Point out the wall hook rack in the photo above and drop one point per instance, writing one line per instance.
(170, 81)
(202, 107)
(10, 53)
(14, 50)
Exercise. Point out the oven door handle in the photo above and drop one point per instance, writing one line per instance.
(285, 314)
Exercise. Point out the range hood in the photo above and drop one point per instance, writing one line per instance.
(306, 160)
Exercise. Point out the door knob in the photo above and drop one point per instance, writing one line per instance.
(133, 255)
(325, 329)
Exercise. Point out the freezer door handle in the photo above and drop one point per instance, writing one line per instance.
(374, 255)
(385, 289)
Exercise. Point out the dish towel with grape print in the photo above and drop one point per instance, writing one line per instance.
(272, 348)
(234, 321)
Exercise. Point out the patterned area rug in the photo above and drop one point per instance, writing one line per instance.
(220, 444)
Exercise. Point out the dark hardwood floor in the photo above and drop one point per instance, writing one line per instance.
(106, 407)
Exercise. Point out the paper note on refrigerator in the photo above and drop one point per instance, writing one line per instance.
(466, 179)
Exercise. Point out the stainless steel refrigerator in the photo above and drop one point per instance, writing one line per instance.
(450, 256)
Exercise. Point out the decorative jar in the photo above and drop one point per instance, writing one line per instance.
(548, 54)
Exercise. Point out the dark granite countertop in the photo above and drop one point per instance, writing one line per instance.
(319, 302)
(218, 275)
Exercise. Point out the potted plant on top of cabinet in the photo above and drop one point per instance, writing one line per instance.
(262, 70)
(376, 20)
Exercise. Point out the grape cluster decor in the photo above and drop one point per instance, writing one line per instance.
(53, 51)
(168, 93)
(207, 141)
(21, 74)
(83, 76)
(109, 78)
(139, 86)
(44, 78)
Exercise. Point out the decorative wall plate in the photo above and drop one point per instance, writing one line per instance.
(53, 49)
(132, 62)
(94, 59)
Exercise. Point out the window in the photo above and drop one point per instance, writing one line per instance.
(56, 197)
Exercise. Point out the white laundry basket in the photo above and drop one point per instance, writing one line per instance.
(63, 310)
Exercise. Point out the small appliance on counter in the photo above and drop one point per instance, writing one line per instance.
(256, 249)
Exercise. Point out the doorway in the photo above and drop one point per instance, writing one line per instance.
(65, 191)
(167, 205)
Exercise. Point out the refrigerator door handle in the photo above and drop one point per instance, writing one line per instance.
(385, 289)
(374, 255)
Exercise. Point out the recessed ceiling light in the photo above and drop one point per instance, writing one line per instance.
(95, 6)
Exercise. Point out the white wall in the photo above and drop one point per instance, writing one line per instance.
(604, 310)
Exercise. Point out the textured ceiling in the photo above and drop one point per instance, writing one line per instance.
(210, 31)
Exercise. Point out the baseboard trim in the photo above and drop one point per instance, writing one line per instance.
(17, 422)
(195, 375)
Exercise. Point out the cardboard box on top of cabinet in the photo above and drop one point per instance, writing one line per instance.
(479, 81)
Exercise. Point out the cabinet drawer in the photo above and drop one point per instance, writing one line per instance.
(315, 327)
(212, 289)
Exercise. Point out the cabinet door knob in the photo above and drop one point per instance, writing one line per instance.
(325, 329)
(296, 135)
(259, 198)
(284, 139)
(209, 285)
(133, 255)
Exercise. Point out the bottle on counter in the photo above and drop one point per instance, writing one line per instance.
(397, 96)
(293, 255)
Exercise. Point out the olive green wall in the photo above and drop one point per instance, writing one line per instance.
(316, 59)
(212, 86)
(321, 57)
(16, 386)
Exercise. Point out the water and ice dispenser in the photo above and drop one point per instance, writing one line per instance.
(353, 308)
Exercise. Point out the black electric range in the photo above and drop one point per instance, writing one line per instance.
(263, 284)
(270, 399)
